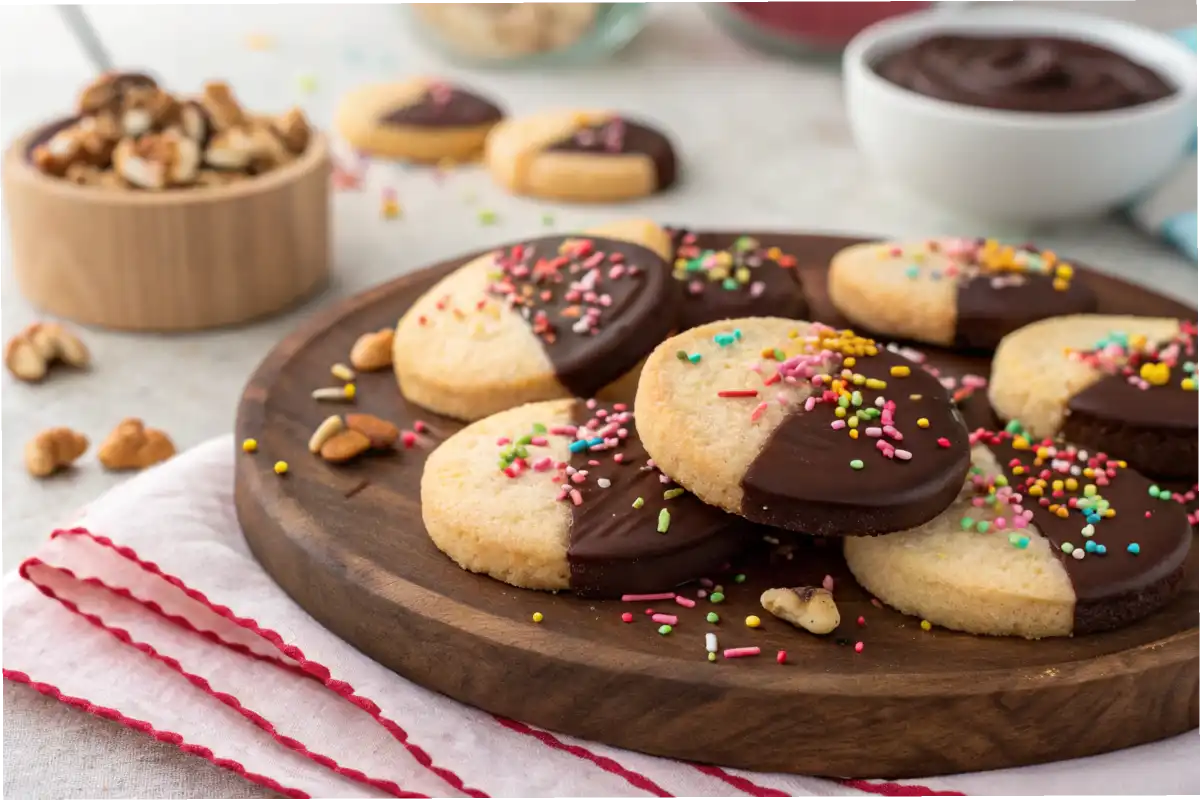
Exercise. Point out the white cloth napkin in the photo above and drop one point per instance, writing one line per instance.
(1171, 210)
(153, 613)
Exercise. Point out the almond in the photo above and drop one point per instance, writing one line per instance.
(373, 351)
(345, 446)
(382, 433)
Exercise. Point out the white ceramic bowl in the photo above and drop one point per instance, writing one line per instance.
(1013, 167)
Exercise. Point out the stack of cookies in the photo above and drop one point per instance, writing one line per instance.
(627, 436)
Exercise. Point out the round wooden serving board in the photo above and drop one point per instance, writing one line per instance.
(347, 543)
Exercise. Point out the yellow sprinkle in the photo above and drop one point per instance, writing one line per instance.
(753, 621)
(1057, 486)
(922, 423)
(1109, 513)
(900, 372)
(1187, 384)
(349, 391)
(1049, 258)
(742, 275)
(839, 412)
(1020, 443)
(1034, 491)
(1060, 285)
(537, 616)
(793, 334)
(1137, 341)
(1063, 512)
(725, 258)
(875, 383)
(250, 445)
(1072, 484)
(849, 361)
(281, 467)
(925, 625)
(1064, 271)
(914, 397)
(681, 263)
(852, 422)
(1018, 470)
(774, 253)
(853, 433)
(1043, 452)
(1155, 374)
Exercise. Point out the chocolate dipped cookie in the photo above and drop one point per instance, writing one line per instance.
(561, 495)
(964, 293)
(1124, 385)
(423, 120)
(727, 276)
(581, 156)
(1043, 540)
(560, 316)
(800, 426)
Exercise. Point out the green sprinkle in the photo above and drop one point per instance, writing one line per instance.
(716, 597)
(737, 334)
(664, 520)
(713, 618)
(487, 217)
(671, 494)
(681, 355)
(982, 526)
(663, 630)
(521, 452)
(539, 427)
(913, 272)
(712, 657)
(739, 578)
(856, 399)
(1089, 490)
(856, 464)
(1013, 426)
(1001, 480)
(1068, 548)
(547, 220)
(639, 503)
(1154, 490)
(729, 284)
(844, 401)
(967, 523)
(694, 358)
(526, 439)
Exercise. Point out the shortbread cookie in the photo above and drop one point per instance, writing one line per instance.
(1042, 541)
(1124, 385)
(589, 157)
(800, 426)
(560, 495)
(418, 120)
(560, 316)
(728, 276)
(966, 293)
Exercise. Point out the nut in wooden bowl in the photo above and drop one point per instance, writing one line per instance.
(147, 211)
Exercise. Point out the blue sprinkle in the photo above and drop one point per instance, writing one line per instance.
(1089, 546)
(1134, 548)
(1101, 549)
(578, 446)
(594, 442)
(913, 273)
(935, 275)
(737, 334)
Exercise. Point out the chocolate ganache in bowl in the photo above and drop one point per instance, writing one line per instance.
(1041, 74)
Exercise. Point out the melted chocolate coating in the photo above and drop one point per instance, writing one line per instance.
(642, 312)
(782, 296)
(802, 479)
(1154, 429)
(615, 548)
(634, 139)
(1042, 74)
(988, 311)
(458, 109)
(1118, 587)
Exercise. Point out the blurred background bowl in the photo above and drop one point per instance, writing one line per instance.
(1014, 167)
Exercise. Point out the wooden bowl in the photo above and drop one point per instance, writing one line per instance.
(182, 259)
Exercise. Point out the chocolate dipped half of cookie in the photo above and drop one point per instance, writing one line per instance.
(801, 426)
(561, 495)
(570, 315)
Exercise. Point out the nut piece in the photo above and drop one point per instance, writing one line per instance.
(30, 353)
(146, 108)
(156, 161)
(382, 433)
(59, 152)
(293, 130)
(106, 92)
(194, 121)
(231, 149)
(52, 450)
(222, 107)
(806, 607)
(373, 351)
(331, 427)
(132, 445)
(345, 446)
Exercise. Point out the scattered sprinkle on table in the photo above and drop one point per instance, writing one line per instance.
(663, 630)
(281, 467)
(250, 445)
(742, 652)
(781, 657)
(752, 621)
(716, 597)
(537, 616)
(926, 625)
(713, 618)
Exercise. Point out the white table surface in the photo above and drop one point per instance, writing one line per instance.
(794, 169)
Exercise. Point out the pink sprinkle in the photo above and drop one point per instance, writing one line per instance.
(781, 657)
(627, 617)
(642, 598)
(858, 647)
(665, 619)
(838, 424)
(539, 441)
(686, 602)
(811, 403)
(742, 652)
(620, 407)
(619, 458)
(419, 426)
(701, 594)
(576, 497)
(649, 612)
(862, 622)
(409, 439)
(943, 442)
(758, 411)
(503, 440)
(782, 399)
(873, 432)
(827, 583)
(563, 430)
(543, 464)
(757, 288)
(903, 455)
(706, 583)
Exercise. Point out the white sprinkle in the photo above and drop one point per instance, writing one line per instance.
(603, 483)
(1088, 530)
(1077, 554)
(330, 393)
(710, 642)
